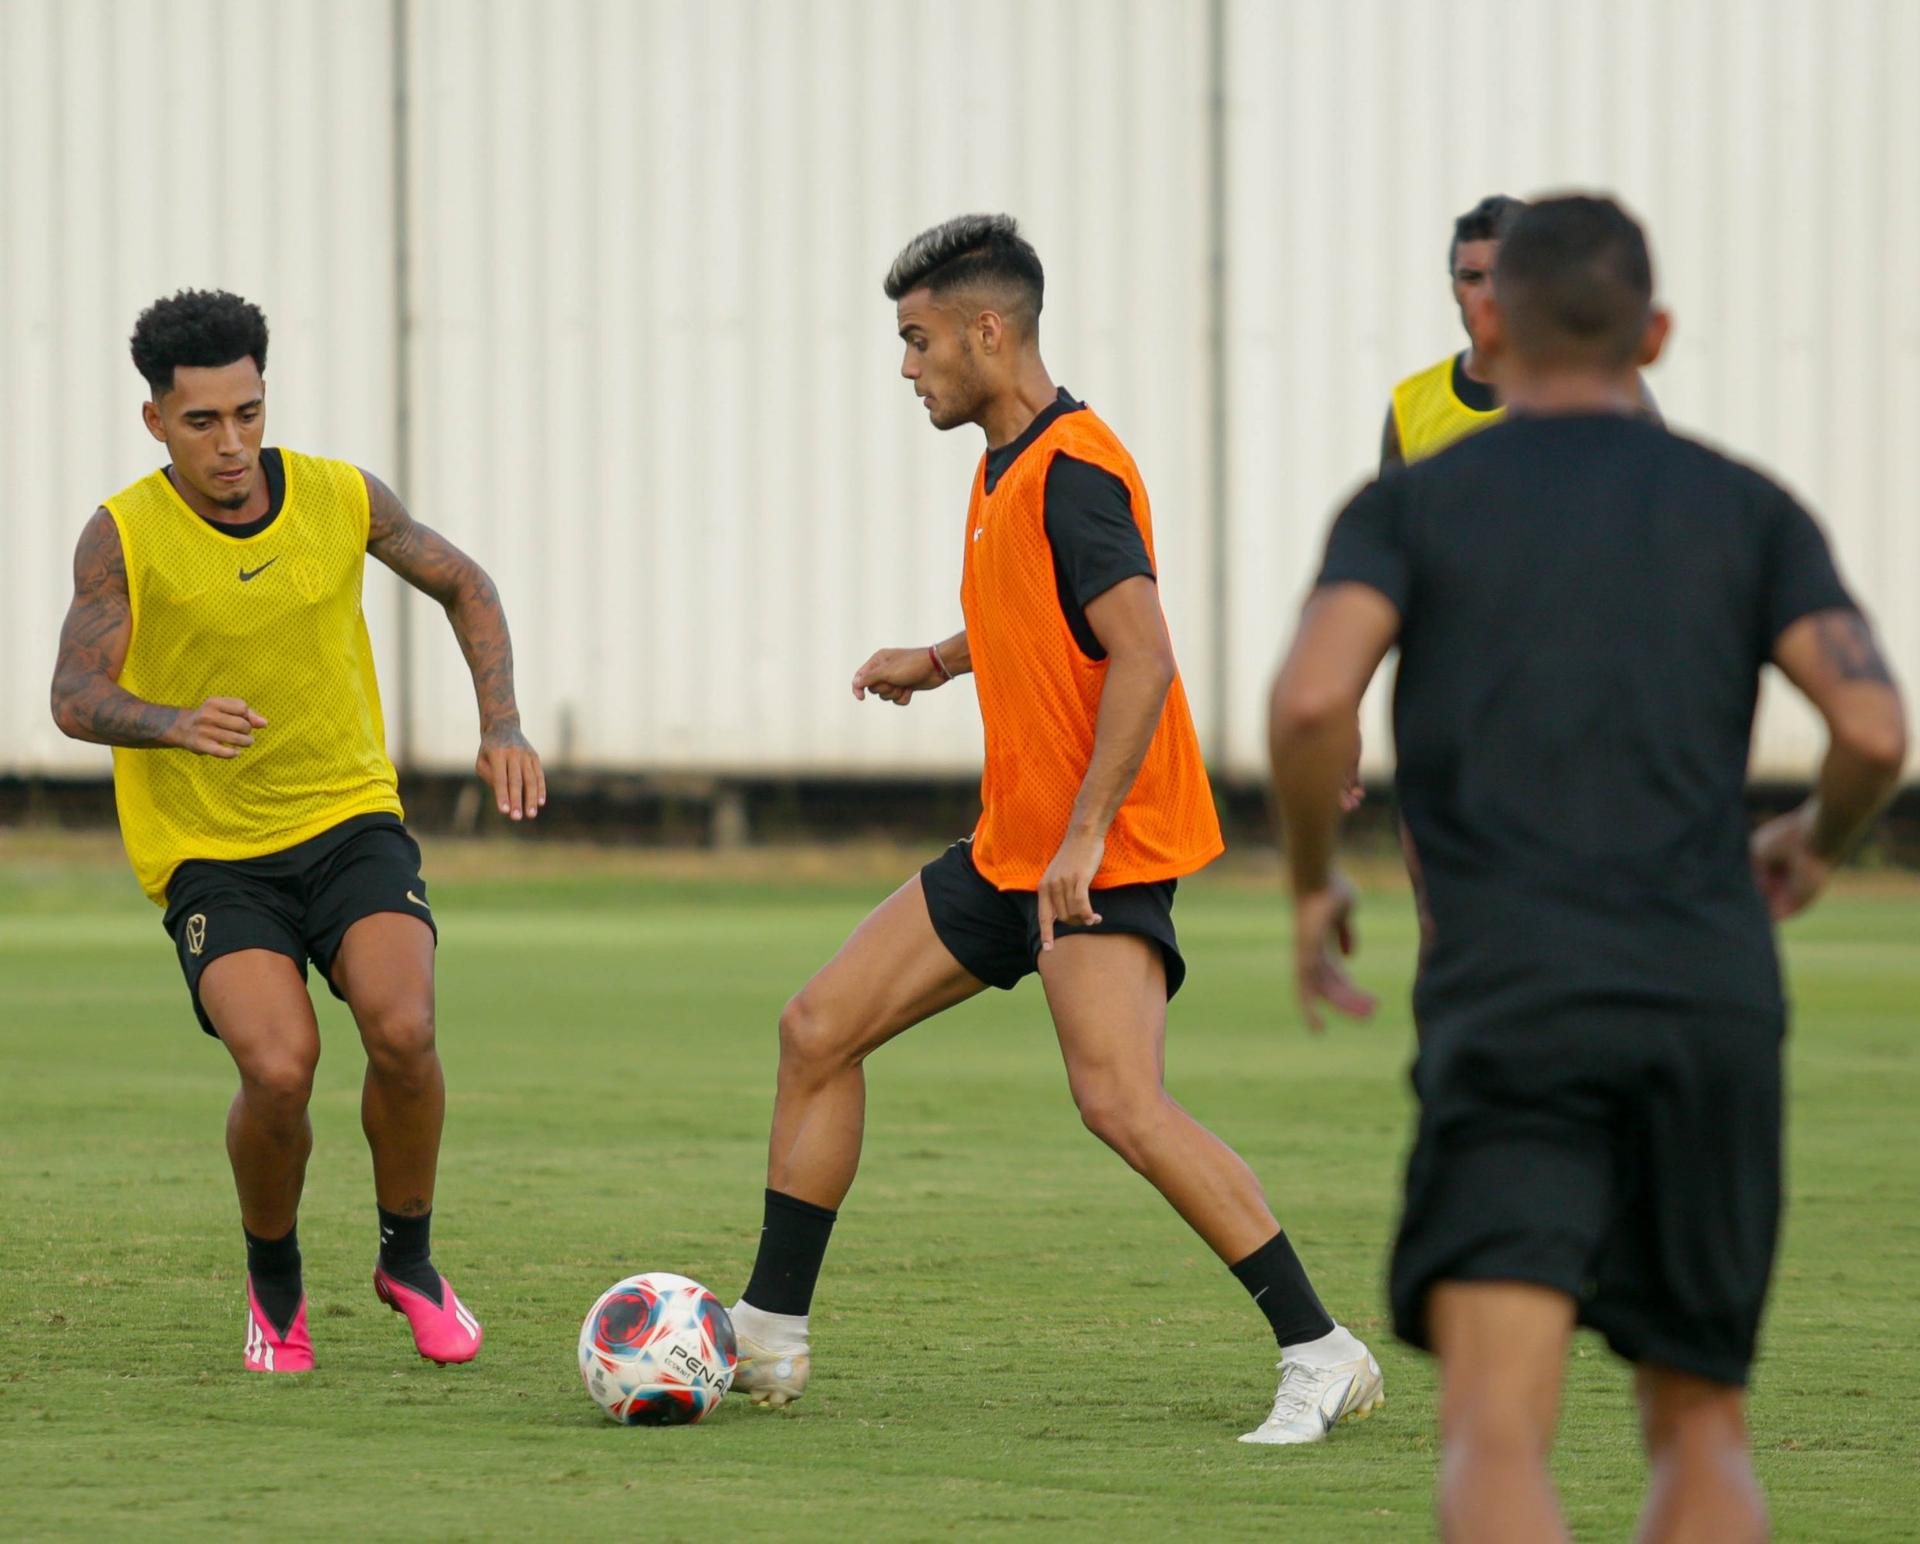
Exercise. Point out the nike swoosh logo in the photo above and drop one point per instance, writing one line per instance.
(1339, 1405)
(417, 901)
(255, 573)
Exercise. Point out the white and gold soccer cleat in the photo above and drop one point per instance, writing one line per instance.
(1312, 1400)
(772, 1370)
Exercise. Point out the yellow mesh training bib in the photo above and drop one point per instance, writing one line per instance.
(1429, 417)
(275, 620)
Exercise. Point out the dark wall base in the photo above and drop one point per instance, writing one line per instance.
(693, 812)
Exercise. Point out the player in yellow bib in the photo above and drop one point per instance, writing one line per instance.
(1454, 397)
(216, 642)
(1451, 399)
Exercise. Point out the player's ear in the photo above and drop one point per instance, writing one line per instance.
(989, 331)
(150, 415)
(1654, 339)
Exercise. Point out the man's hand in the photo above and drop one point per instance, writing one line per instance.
(1354, 793)
(1790, 874)
(220, 726)
(894, 675)
(1066, 887)
(512, 767)
(1322, 922)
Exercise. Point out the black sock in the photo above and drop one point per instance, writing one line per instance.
(405, 1251)
(792, 1244)
(1278, 1281)
(273, 1264)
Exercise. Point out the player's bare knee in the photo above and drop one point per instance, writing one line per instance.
(813, 1044)
(399, 1039)
(1123, 1118)
(279, 1082)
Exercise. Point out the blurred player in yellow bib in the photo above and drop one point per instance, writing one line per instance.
(1455, 397)
(216, 642)
(1452, 398)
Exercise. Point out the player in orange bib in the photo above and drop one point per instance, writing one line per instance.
(216, 642)
(1095, 803)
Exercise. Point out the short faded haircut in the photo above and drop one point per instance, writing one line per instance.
(1488, 220)
(1575, 281)
(979, 252)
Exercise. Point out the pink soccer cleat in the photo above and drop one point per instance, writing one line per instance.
(270, 1351)
(443, 1332)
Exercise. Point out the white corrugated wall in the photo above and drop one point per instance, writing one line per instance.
(653, 381)
(1771, 146)
(657, 382)
(153, 145)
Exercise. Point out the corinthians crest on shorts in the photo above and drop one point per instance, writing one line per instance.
(196, 932)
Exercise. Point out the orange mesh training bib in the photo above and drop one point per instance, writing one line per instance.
(1040, 696)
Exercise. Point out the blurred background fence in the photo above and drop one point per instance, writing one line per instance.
(596, 285)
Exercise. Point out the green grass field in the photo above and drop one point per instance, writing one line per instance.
(1014, 1336)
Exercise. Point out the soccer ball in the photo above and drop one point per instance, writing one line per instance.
(657, 1350)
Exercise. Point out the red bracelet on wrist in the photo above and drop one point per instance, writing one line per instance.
(939, 665)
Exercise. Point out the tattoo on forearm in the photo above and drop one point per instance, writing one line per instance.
(88, 704)
(107, 715)
(1847, 643)
(434, 566)
(480, 623)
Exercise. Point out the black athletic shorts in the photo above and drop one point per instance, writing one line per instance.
(298, 902)
(1627, 1155)
(996, 933)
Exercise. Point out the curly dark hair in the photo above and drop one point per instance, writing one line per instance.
(197, 328)
(968, 251)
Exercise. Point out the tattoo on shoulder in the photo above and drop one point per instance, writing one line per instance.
(95, 631)
(387, 517)
(417, 553)
(435, 567)
(98, 559)
(88, 703)
(1847, 643)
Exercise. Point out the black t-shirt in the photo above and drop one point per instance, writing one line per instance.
(1586, 603)
(1478, 395)
(1090, 526)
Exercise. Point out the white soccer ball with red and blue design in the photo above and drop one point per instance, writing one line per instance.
(657, 1350)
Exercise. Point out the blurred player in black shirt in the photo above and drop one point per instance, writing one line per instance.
(1583, 603)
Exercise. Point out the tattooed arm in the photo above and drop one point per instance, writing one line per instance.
(434, 566)
(88, 702)
(1831, 656)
